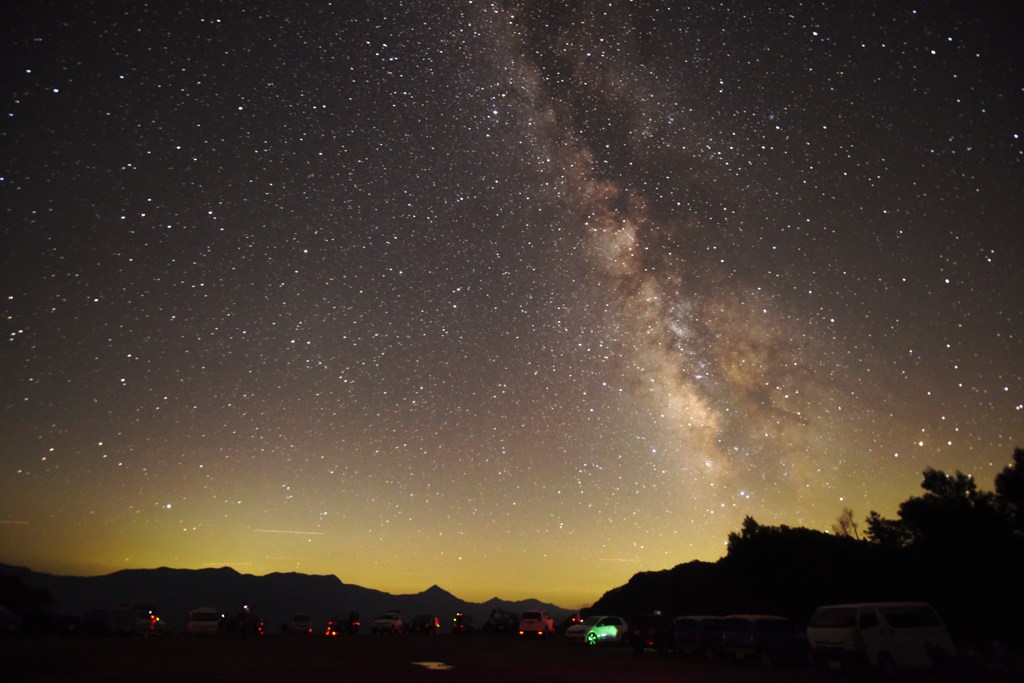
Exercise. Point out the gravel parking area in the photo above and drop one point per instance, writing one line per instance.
(441, 659)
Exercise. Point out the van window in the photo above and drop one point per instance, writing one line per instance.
(910, 617)
(867, 620)
(835, 617)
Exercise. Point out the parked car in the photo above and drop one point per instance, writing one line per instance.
(501, 621)
(147, 621)
(462, 623)
(120, 621)
(299, 625)
(125, 620)
(698, 635)
(389, 622)
(598, 629)
(425, 623)
(343, 626)
(891, 636)
(204, 621)
(765, 638)
(536, 624)
(245, 623)
(651, 632)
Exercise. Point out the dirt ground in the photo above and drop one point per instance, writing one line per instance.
(440, 659)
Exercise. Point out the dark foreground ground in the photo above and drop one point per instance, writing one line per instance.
(441, 659)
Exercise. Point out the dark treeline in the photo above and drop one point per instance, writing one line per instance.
(956, 546)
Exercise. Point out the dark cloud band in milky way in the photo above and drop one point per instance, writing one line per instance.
(702, 349)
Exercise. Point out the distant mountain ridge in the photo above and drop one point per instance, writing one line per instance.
(275, 597)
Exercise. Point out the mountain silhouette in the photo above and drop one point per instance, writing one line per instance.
(275, 597)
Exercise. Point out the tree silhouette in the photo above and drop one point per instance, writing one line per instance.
(887, 532)
(845, 525)
(952, 512)
(1010, 491)
(21, 598)
(953, 545)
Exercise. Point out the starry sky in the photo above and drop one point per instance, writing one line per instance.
(517, 298)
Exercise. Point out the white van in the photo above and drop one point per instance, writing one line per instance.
(892, 636)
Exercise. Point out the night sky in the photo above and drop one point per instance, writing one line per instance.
(515, 298)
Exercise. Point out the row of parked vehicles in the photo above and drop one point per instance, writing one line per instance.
(531, 623)
(391, 622)
(211, 621)
(888, 636)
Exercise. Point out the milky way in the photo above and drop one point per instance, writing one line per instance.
(515, 298)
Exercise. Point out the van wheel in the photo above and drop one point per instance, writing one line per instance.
(886, 666)
(764, 660)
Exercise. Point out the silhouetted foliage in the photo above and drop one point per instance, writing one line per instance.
(32, 605)
(887, 532)
(21, 598)
(1010, 491)
(954, 545)
(791, 570)
(951, 512)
